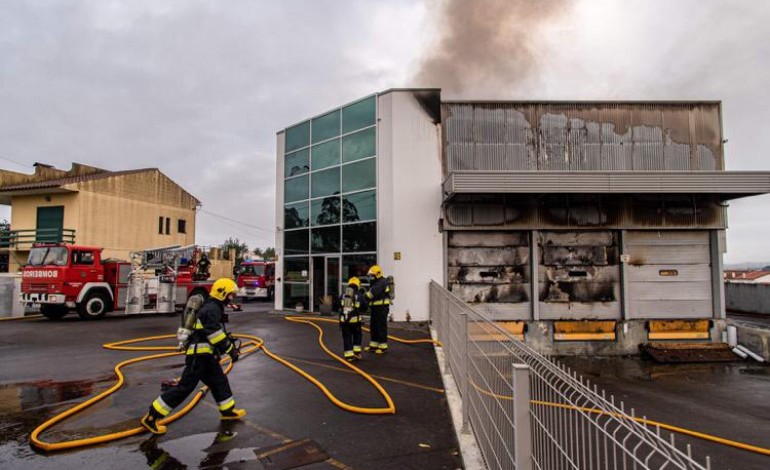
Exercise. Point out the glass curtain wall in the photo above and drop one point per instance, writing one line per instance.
(330, 200)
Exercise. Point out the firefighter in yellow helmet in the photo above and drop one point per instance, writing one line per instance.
(353, 305)
(379, 302)
(208, 342)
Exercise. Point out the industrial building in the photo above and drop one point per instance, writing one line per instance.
(571, 223)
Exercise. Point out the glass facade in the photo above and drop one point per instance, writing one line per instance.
(330, 202)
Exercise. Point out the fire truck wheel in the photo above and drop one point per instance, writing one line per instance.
(93, 307)
(53, 312)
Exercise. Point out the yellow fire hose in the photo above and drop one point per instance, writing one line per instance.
(252, 345)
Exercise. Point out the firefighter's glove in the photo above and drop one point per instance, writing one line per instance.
(234, 354)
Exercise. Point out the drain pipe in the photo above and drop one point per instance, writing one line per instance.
(740, 353)
(748, 352)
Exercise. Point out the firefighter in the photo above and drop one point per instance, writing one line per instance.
(378, 296)
(203, 267)
(207, 343)
(353, 305)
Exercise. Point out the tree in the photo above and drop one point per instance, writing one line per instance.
(234, 243)
(268, 253)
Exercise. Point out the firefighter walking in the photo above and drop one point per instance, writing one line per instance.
(353, 305)
(208, 342)
(379, 296)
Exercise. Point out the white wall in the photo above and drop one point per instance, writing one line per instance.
(408, 201)
(279, 147)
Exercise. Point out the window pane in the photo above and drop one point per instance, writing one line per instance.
(326, 182)
(358, 115)
(297, 137)
(326, 240)
(325, 211)
(326, 154)
(295, 294)
(357, 265)
(359, 175)
(326, 126)
(295, 215)
(295, 269)
(359, 145)
(295, 242)
(296, 163)
(359, 206)
(295, 189)
(359, 237)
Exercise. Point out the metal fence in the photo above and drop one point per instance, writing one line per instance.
(529, 412)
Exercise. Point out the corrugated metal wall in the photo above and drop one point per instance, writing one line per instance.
(491, 269)
(579, 275)
(509, 136)
(669, 274)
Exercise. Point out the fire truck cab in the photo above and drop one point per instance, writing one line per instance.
(256, 280)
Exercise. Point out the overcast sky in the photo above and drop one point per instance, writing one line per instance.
(199, 89)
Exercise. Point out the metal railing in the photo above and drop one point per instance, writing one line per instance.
(24, 239)
(527, 411)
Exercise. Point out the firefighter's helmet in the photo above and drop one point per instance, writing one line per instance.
(355, 281)
(223, 287)
(375, 271)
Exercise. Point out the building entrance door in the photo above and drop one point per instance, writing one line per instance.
(326, 280)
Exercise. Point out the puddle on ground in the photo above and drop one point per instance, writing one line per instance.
(641, 369)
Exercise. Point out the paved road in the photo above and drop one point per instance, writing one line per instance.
(47, 366)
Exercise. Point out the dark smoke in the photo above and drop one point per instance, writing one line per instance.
(486, 47)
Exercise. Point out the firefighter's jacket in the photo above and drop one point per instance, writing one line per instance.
(353, 306)
(379, 292)
(210, 335)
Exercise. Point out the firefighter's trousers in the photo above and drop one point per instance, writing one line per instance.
(204, 368)
(379, 326)
(351, 336)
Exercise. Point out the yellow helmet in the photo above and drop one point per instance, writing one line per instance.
(223, 287)
(355, 281)
(375, 271)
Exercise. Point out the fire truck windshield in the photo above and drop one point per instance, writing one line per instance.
(42, 256)
(252, 270)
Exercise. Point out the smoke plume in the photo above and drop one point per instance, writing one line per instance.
(486, 48)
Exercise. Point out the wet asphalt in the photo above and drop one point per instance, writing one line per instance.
(47, 367)
(728, 400)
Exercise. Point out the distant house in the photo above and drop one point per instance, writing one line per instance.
(755, 277)
(120, 211)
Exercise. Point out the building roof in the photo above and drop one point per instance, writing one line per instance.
(745, 275)
(72, 179)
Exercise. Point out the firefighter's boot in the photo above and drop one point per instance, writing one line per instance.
(150, 422)
(232, 413)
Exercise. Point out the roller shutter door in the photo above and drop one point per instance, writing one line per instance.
(490, 270)
(669, 274)
(578, 275)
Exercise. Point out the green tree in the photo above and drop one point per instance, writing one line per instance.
(234, 243)
(268, 253)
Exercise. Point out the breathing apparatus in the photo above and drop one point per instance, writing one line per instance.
(189, 317)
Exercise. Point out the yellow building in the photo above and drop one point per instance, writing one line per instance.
(120, 211)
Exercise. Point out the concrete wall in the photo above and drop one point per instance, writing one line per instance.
(10, 288)
(745, 297)
(408, 201)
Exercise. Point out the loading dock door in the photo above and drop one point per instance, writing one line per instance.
(578, 275)
(491, 271)
(669, 274)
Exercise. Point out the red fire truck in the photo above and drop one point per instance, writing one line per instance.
(61, 278)
(256, 280)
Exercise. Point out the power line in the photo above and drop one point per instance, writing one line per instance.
(237, 221)
(3, 157)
